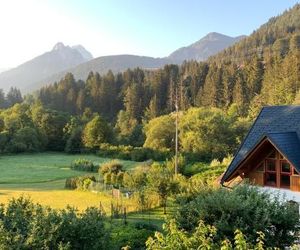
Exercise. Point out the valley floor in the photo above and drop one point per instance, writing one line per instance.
(42, 178)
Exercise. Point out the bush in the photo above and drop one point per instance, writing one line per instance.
(132, 153)
(79, 182)
(84, 165)
(112, 151)
(24, 225)
(243, 208)
(140, 154)
(203, 237)
(113, 166)
(207, 172)
(194, 168)
(130, 236)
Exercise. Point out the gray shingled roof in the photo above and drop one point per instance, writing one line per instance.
(277, 123)
(289, 145)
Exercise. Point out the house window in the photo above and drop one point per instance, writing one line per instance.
(271, 165)
(270, 175)
(285, 167)
(271, 179)
(285, 173)
(285, 181)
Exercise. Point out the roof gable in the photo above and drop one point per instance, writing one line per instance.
(289, 146)
(272, 120)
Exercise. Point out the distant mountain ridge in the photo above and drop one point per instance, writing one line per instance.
(60, 58)
(207, 46)
(117, 63)
(3, 69)
(53, 65)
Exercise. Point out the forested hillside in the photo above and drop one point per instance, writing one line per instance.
(262, 69)
(132, 107)
(273, 36)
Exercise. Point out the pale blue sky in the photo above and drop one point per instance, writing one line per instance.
(152, 28)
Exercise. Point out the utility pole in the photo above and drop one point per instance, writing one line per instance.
(176, 132)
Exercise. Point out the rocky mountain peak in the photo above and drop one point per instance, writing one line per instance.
(59, 46)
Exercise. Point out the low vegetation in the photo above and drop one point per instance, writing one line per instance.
(130, 116)
(244, 208)
(203, 237)
(80, 182)
(42, 176)
(84, 165)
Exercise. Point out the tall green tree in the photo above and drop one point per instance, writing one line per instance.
(13, 96)
(160, 133)
(95, 132)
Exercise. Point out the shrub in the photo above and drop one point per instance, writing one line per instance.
(79, 182)
(140, 154)
(84, 165)
(25, 225)
(130, 236)
(132, 153)
(194, 168)
(113, 166)
(243, 208)
(203, 237)
(205, 172)
(181, 162)
(120, 152)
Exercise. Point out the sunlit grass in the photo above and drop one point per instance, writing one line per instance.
(42, 178)
(43, 167)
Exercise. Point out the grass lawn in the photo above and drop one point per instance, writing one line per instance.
(153, 216)
(42, 177)
(43, 167)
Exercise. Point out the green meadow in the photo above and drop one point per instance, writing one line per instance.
(42, 177)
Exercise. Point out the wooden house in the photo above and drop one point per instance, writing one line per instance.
(270, 154)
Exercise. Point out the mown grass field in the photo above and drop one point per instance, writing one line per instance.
(42, 178)
(43, 167)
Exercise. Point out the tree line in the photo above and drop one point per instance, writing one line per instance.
(118, 108)
(142, 95)
(124, 104)
(12, 97)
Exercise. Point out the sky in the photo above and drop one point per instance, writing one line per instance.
(155, 28)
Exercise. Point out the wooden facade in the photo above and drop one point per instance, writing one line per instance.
(266, 166)
(270, 153)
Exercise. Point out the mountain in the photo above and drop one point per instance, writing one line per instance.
(201, 50)
(3, 69)
(86, 54)
(271, 37)
(207, 46)
(60, 58)
(260, 70)
(53, 65)
(117, 63)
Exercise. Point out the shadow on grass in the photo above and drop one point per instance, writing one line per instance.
(154, 216)
(35, 186)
